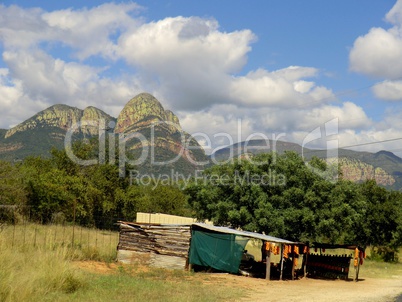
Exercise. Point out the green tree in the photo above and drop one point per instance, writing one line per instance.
(282, 196)
(13, 193)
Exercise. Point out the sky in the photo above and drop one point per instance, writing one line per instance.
(247, 69)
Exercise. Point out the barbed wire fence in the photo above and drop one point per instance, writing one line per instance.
(18, 230)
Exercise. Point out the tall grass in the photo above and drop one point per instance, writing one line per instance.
(36, 259)
(29, 274)
(36, 264)
(79, 243)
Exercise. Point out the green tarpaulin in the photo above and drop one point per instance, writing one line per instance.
(217, 250)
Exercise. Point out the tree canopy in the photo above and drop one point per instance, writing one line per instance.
(275, 194)
(282, 196)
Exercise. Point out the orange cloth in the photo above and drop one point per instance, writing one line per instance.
(286, 251)
(356, 253)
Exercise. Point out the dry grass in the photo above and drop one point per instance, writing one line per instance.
(80, 243)
(39, 263)
(28, 275)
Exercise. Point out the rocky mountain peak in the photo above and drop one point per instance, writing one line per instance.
(91, 119)
(144, 109)
(61, 116)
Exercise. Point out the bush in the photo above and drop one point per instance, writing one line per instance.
(383, 253)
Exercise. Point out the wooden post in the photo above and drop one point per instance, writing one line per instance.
(281, 274)
(293, 262)
(72, 239)
(357, 269)
(268, 265)
(305, 259)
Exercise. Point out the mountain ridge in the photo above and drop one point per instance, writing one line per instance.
(383, 166)
(145, 123)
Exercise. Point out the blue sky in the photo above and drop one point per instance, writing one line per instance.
(281, 67)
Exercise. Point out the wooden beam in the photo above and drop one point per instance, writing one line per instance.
(293, 262)
(281, 274)
(268, 265)
(357, 269)
(305, 259)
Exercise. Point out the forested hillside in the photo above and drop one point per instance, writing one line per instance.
(276, 194)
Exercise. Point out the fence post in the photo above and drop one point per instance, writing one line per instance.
(72, 239)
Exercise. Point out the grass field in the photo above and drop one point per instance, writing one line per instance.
(37, 263)
(78, 242)
(45, 263)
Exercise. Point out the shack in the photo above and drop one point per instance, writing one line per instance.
(222, 248)
(181, 246)
(323, 262)
(157, 245)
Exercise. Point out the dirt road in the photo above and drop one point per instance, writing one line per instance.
(366, 290)
(311, 290)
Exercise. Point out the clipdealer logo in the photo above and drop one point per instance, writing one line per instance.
(328, 133)
(147, 146)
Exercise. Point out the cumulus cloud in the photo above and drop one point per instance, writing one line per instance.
(105, 55)
(394, 16)
(87, 31)
(388, 90)
(283, 88)
(197, 65)
(44, 78)
(39, 79)
(291, 124)
(187, 62)
(379, 54)
(90, 31)
(21, 28)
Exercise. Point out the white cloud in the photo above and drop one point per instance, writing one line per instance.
(349, 114)
(187, 59)
(394, 16)
(279, 88)
(37, 80)
(14, 103)
(379, 54)
(189, 44)
(9, 91)
(42, 79)
(388, 90)
(21, 28)
(189, 64)
(291, 124)
(90, 31)
(196, 65)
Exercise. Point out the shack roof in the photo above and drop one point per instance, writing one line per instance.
(214, 228)
(337, 246)
(227, 230)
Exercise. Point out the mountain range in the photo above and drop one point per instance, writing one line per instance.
(155, 142)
